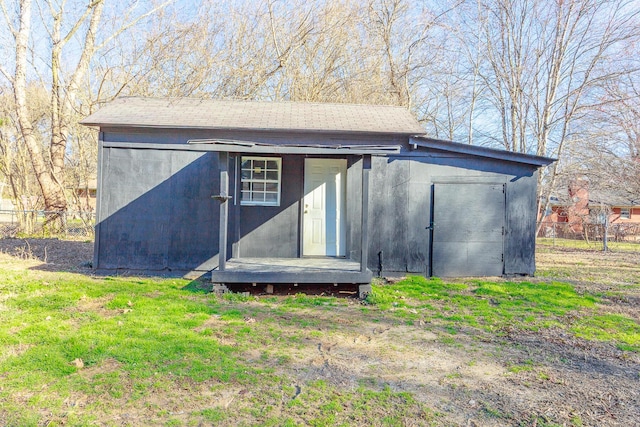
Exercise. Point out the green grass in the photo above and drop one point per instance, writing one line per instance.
(492, 306)
(591, 245)
(525, 366)
(481, 304)
(138, 346)
(140, 338)
(623, 331)
(144, 326)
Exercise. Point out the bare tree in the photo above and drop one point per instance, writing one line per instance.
(513, 73)
(620, 117)
(316, 50)
(15, 159)
(543, 65)
(61, 25)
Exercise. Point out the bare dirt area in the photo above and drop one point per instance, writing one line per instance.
(51, 254)
(508, 377)
(478, 379)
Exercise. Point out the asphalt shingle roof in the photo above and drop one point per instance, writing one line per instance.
(248, 115)
(614, 197)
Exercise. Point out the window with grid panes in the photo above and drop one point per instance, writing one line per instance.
(260, 181)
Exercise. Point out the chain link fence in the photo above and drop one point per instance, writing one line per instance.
(624, 236)
(45, 224)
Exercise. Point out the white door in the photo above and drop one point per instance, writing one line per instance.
(323, 226)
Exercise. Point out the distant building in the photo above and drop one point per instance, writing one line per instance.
(570, 208)
(581, 210)
(6, 206)
(84, 196)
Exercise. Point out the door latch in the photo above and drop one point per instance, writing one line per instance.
(223, 197)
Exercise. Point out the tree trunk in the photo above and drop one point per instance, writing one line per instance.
(52, 190)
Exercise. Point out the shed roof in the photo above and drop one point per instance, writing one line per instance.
(475, 150)
(194, 113)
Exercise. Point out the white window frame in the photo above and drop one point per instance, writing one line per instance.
(627, 215)
(252, 200)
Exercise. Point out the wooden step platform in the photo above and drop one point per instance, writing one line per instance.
(291, 270)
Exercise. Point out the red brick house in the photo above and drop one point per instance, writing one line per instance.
(581, 213)
(570, 209)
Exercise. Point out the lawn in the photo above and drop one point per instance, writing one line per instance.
(560, 349)
(595, 245)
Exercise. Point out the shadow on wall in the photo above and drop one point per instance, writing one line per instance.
(158, 215)
(156, 210)
(270, 231)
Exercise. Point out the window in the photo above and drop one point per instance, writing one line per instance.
(625, 213)
(260, 181)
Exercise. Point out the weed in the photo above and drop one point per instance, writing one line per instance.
(520, 368)
(491, 411)
(447, 340)
(232, 297)
(214, 415)
(610, 327)
(576, 421)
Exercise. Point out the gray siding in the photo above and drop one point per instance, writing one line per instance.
(401, 210)
(156, 211)
(354, 208)
(520, 239)
(274, 231)
(389, 221)
(468, 230)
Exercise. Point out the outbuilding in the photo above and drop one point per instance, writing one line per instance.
(284, 192)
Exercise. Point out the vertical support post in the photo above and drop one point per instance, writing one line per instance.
(236, 161)
(223, 164)
(99, 195)
(364, 232)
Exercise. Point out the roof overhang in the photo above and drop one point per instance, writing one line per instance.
(612, 204)
(233, 146)
(474, 150)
